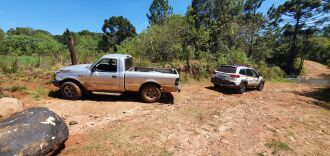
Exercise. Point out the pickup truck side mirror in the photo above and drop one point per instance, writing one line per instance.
(93, 69)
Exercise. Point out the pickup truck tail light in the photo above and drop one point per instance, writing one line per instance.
(177, 81)
(235, 76)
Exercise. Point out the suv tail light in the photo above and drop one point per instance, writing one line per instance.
(235, 76)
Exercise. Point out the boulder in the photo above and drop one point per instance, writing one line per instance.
(35, 131)
(9, 106)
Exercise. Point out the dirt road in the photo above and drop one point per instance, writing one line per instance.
(284, 119)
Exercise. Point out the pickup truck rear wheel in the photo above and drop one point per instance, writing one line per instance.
(151, 93)
(71, 91)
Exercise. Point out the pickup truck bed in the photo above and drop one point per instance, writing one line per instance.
(160, 70)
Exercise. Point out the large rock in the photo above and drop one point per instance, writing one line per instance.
(35, 131)
(9, 106)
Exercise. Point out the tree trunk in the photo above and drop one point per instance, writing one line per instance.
(302, 59)
(73, 52)
(251, 46)
(293, 50)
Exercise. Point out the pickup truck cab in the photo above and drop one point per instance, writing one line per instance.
(114, 73)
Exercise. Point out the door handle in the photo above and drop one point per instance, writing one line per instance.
(114, 76)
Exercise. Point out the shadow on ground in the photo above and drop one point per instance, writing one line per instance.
(227, 91)
(167, 98)
(322, 95)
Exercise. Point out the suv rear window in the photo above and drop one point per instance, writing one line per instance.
(227, 69)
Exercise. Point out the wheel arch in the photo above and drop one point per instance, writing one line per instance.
(245, 81)
(149, 83)
(73, 81)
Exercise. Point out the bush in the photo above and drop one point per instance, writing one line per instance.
(271, 73)
(8, 66)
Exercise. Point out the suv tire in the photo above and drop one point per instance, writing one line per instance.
(261, 86)
(242, 88)
(71, 91)
(151, 93)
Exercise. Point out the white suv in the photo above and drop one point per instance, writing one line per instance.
(239, 77)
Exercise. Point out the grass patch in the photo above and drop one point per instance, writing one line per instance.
(272, 130)
(38, 92)
(260, 154)
(16, 88)
(277, 146)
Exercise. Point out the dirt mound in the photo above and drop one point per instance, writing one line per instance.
(316, 70)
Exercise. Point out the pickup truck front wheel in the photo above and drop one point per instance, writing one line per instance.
(70, 91)
(151, 93)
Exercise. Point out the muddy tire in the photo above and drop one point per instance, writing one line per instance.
(71, 91)
(151, 93)
(242, 88)
(261, 86)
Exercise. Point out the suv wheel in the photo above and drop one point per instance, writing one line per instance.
(71, 91)
(242, 88)
(151, 93)
(261, 86)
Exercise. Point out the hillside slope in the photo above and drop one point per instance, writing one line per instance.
(315, 70)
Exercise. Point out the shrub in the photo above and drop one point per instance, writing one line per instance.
(8, 66)
(270, 73)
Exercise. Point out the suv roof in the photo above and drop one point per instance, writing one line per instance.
(236, 65)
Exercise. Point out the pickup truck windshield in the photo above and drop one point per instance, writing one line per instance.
(128, 63)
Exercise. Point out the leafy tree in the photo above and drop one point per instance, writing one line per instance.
(159, 11)
(20, 31)
(116, 30)
(254, 21)
(159, 43)
(300, 14)
(326, 31)
(70, 38)
(226, 25)
(319, 49)
(2, 35)
(203, 11)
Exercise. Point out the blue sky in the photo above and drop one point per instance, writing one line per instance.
(57, 15)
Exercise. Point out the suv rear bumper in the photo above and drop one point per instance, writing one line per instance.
(223, 83)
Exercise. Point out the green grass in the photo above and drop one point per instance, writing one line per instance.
(277, 146)
(260, 154)
(38, 92)
(16, 88)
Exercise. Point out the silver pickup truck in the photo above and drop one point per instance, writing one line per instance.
(114, 73)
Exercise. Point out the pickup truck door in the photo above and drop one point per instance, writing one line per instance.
(105, 76)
